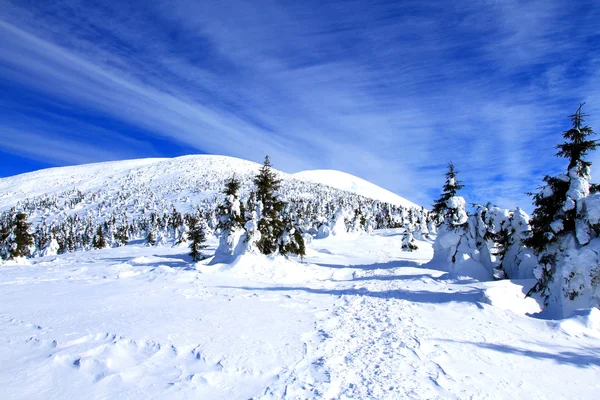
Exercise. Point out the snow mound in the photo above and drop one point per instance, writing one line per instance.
(583, 322)
(274, 269)
(510, 295)
(350, 183)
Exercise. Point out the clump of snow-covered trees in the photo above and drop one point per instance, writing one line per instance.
(485, 243)
(559, 246)
(267, 227)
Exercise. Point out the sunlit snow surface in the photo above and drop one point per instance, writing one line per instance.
(344, 181)
(358, 319)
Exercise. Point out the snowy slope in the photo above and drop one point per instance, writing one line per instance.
(344, 181)
(360, 319)
(182, 181)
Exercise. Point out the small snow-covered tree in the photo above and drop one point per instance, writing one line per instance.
(15, 239)
(291, 240)
(99, 241)
(196, 236)
(460, 247)
(408, 242)
(231, 218)
(451, 187)
(151, 238)
(122, 235)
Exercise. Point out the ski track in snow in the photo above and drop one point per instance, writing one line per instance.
(359, 320)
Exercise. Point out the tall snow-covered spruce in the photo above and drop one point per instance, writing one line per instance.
(565, 227)
(275, 234)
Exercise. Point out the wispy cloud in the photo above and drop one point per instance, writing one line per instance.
(389, 92)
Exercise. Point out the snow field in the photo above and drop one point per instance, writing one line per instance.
(359, 319)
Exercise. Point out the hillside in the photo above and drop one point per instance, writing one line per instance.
(184, 182)
(344, 181)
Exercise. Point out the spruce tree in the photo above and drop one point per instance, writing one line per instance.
(451, 187)
(231, 211)
(408, 242)
(558, 223)
(5, 242)
(99, 241)
(17, 239)
(197, 238)
(23, 239)
(270, 223)
(122, 236)
(151, 238)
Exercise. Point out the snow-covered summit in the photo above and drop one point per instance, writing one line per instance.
(350, 183)
(170, 178)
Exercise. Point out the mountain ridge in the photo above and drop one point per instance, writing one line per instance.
(167, 171)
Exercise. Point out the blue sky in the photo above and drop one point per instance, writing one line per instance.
(388, 91)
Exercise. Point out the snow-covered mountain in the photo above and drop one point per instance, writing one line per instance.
(350, 183)
(182, 181)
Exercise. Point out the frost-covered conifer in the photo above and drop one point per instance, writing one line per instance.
(196, 236)
(408, 242)
(151, 238)
(15, 239)
(231, 218)
(99, 241)
(565, 228)
(270, 222)
(122, 235)
(451, 187)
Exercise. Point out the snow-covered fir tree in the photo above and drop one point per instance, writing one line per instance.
(291, 240)
(230, 214)
(459, 247)
(16, 240)
(196, 237)
(451, 187)
(270, 207)
(565, 227)
(99, 241)
(408, 242)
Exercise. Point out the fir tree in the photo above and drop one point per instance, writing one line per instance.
(122, 236)
(231, 218)
(231, 211)
(577, 143)
(197, 238)
(408, 242)
(451, 187)
(558, 223)
(16, 237)
(270, 223)
(99, 241)
(151, 238)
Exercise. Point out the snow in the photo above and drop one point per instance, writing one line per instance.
(359, 318)
(344, 181)
(592, 208)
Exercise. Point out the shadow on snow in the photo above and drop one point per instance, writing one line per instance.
(579, 357)
(419, 296)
